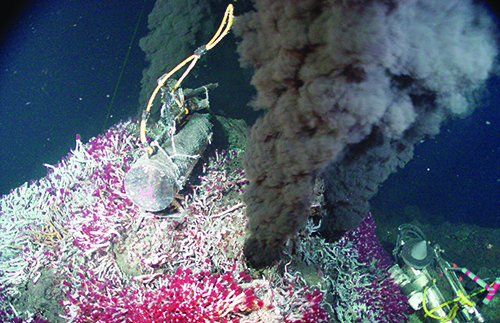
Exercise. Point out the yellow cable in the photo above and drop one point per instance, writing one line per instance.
(424, 306)
(227, 21)
(429, 313)
(478, 292)
(462, 299)
(193, 57)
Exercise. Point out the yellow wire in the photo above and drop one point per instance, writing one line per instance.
(193, 57)
(227, 21)
(228, 17)
(462, 299)
(424, 306)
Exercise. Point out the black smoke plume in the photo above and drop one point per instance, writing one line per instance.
(349, 87)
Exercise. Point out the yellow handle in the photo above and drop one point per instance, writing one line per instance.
(227, 21)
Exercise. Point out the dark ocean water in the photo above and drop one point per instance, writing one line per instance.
(61, 61)
(59, 65)
(455, 175)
